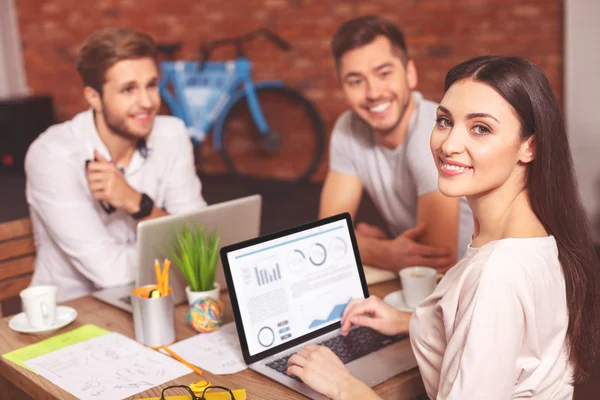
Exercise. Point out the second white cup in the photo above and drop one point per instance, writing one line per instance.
(417, 284)
(39, 305)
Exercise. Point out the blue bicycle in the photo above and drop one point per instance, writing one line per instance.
(259, 128)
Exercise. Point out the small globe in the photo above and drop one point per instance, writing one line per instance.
(205, 315)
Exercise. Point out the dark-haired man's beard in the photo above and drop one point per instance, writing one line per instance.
(403, 106)
(118, 126)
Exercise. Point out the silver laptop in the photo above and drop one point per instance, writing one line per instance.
(290, 288)
(236, 220)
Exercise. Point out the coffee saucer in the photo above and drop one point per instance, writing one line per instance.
(63, 317)
(396, 299)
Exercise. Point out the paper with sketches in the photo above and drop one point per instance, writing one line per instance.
(218, 352)
(111, 366)
(77, 335)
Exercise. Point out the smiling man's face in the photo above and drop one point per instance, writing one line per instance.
(130, 98)
(377, 84)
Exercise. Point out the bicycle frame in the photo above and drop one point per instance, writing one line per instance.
(202, 99)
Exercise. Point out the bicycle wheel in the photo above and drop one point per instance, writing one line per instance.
(292, 149)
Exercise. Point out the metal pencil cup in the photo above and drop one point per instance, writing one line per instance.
(153, 318)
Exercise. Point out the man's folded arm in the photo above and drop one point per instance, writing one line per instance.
(60, 201)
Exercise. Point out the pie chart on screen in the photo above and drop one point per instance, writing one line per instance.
(296, 261)
(318, 254)
(338, 248)
(266, 336)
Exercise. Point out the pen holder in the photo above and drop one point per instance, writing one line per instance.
(153, 318)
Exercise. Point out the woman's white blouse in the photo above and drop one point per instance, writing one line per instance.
(495, 327)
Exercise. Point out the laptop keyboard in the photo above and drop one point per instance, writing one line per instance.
(359, 342)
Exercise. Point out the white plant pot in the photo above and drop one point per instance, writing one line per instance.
(193, 296)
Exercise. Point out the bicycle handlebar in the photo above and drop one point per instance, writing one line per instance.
(207, 48)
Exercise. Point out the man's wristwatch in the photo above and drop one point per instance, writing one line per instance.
(146, 206)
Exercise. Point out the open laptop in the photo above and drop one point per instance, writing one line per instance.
(235, 220)
(290, 288)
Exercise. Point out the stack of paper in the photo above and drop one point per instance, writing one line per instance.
(54, 343)
(108, 366)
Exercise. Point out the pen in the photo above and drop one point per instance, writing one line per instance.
(181, 360)
(105, 205)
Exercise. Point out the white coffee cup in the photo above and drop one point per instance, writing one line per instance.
(39, 305)
(417, 284)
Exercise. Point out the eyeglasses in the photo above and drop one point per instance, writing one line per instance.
(208, 390)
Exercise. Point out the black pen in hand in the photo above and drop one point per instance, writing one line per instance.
(105, 205)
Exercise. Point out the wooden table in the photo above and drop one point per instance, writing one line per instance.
(90, 310)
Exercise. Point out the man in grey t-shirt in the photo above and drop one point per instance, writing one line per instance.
(381, 145)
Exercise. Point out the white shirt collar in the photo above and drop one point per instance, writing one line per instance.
(143, 151)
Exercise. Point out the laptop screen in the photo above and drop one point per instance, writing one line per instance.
(295, 283)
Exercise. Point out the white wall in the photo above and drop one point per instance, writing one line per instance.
(582, 90)
(12, 73)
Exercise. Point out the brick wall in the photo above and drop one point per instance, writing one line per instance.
(440, 33)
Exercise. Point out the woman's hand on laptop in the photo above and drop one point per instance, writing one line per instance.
(325, 373)
(374, 313)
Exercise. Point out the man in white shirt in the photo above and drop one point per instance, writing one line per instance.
(381, 145)
(90, 180)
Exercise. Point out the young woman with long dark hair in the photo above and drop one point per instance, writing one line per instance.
(518, 315)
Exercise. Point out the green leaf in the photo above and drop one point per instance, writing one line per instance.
(196, 255)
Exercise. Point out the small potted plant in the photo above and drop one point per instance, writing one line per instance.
(196, 253)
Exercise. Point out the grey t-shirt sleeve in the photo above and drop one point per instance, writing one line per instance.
(341, 154)
(420, 160)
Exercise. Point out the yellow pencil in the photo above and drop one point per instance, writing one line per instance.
(166, 276)
(181, 360)
(158, 275)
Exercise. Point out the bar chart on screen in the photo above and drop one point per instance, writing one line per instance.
(265, 276)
